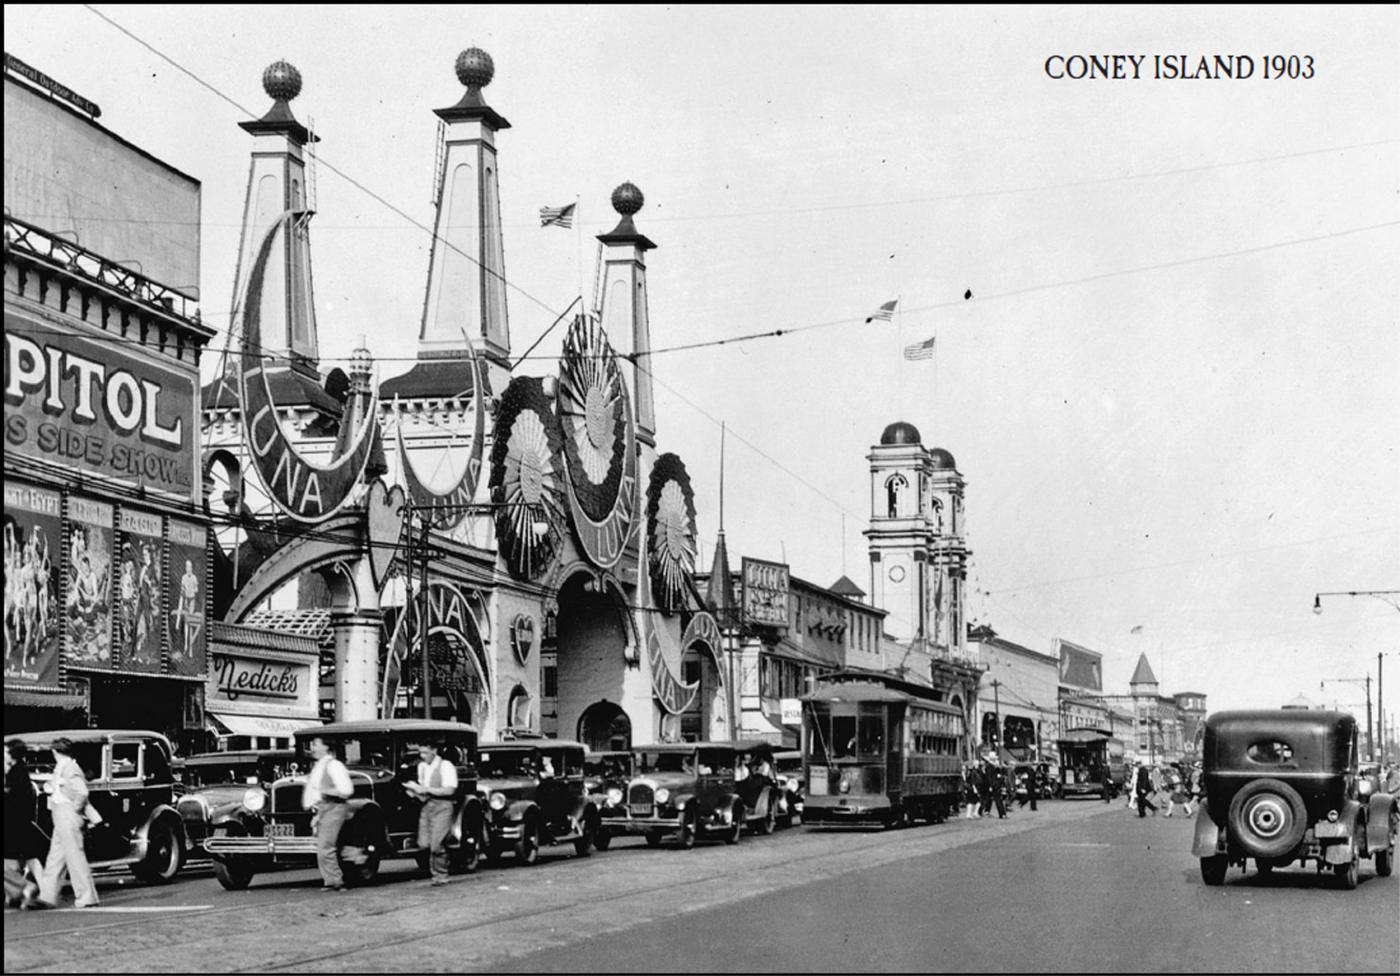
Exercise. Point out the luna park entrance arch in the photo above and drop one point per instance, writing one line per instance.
(593, 643)
(459, 683)
(604, 726)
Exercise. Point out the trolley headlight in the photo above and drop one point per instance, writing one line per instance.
(662, 795)
(254, 799)
(1331, 816)
(497, 801)
(614, 797)
(845, 785)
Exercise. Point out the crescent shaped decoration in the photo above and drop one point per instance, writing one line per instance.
(673, 694)
(671, 547)
(527, 486)
(447, 509)
(307, 492)
(600, 450)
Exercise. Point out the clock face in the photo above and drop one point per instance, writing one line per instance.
(670, 532)
(600, 451)
(526, 483)
(897, 574)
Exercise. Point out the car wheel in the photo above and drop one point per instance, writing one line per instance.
(1385, 860)
(165, 854)
(358, 865)
(233, 874)
(527, 848)
(687, 831)
(1268, 818)
(1213, 869)
(602, 840)
(585, 844)
(770, 820)
(737, 830)
(654, 838)
(1348, 873)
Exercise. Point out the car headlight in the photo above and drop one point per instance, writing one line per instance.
(662, 795)
(254, 799)
(614, 797)
(497, 801)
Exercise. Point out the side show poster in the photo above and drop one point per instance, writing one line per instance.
(33, 547)
(89, 585)
(186, 598)
(139, 591)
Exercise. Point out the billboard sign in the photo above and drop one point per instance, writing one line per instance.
(1080, 667)
(95, 408)
(33, 543)
(764, 598)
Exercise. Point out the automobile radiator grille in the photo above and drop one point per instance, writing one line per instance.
(640, 799)
(286, 799)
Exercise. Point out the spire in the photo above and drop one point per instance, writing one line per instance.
(466, 270)
(719, 593)
(623, 302)
(1142, 674)
(277, 184)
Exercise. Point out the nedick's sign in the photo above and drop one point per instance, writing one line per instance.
(89, 406)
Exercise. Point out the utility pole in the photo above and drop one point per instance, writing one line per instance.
(423, 626)
(996, 702)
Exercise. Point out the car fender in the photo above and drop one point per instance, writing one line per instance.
(365, 818)
(166, 813)
(522, 810)
(585, 810)
(683, 801)
(1340, 850)
(1208, 840)
(1378, 811)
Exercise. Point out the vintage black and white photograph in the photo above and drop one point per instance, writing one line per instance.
(701, 489)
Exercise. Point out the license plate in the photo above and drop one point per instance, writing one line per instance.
(1330, 830)
(281, 830)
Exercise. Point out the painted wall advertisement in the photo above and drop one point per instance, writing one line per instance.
(32, 549)
(139, 592)
(186, 598)
(88, 587)
(92, 407)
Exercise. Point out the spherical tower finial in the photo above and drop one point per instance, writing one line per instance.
(282, 81)
(627, 199)
(474, 67)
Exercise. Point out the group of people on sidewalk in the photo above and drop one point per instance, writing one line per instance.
(35, 862)
(1164, 783)
(988, 783)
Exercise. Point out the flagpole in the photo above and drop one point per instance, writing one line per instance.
(578, 239)
(899, 332)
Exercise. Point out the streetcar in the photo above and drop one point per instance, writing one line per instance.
(879, 751)
(1091, 764)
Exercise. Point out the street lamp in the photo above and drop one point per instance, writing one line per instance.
(1389, 596)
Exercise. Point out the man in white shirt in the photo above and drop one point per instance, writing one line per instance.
(68, 799)
(327, 789)
(436, 787)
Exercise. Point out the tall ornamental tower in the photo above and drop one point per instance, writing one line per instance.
(466, 280)
(276, 184)
(623, 303)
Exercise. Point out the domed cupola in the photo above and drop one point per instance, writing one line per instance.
(941, 460)
(900, 432)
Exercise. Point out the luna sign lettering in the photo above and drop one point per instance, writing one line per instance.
(305, 491)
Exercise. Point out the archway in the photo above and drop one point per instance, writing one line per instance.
(591, 641)
(604, 726)
(455, 683)
(707, 718)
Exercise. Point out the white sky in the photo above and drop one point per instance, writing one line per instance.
(1195, 449)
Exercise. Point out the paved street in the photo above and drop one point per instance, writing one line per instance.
(1075, 887)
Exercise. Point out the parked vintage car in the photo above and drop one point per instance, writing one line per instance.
(268, 829)
(792, 791)
(212, 785)
(1283, 786)
(535, 794)
(131, 785)
(605, 779)
(692, 788)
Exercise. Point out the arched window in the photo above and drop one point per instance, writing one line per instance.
(518, 710)
(894, 486)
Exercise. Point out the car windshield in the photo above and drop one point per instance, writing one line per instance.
(716, 762)
(504, 763)
(608, 767)
(665, 762)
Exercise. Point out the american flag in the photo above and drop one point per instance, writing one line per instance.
(920, 350)
(884, 313)
(558, 216)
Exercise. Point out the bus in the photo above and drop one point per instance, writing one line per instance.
(1091, 764)
(879, 751)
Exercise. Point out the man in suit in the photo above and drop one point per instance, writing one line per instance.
(1143, 789)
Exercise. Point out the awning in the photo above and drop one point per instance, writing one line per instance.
(261, 724)
(23, 698)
